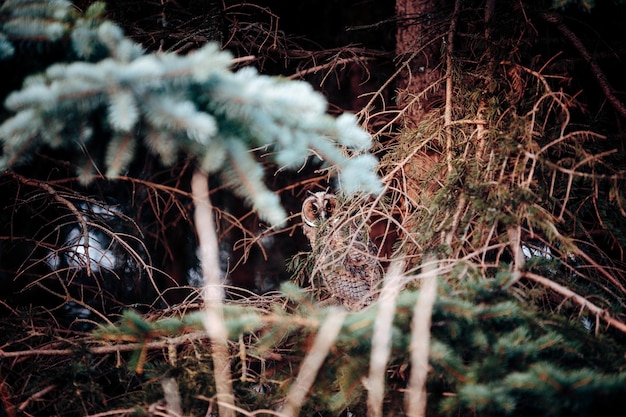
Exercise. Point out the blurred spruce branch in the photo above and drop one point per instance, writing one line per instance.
(488, 348)
(191, 105)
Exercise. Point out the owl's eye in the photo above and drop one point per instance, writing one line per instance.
(314, 208)
(329, 207)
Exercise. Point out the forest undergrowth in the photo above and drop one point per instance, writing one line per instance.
(499, 226)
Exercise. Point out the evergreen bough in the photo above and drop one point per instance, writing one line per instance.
(191, 105)
(491, 355)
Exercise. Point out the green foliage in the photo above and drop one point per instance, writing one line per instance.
(518, 170)
(191, 105)
(490, 354)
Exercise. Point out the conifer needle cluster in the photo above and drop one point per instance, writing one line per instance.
(191, 105)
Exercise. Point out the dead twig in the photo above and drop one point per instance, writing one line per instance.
(569, 294)
(597, 72)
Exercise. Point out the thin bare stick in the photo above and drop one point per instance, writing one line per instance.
(36, 397)
(335, 63)
(171, 394)
(260, 412)
(381, 339)
(213, 292)
(120, 411)
(515, 241)
(607, 89)
(80, 219)
(567, 293)
(415, 396)
(579, 252)
(447, 115)
(325, 338)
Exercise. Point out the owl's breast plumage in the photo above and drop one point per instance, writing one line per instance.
(346, 257)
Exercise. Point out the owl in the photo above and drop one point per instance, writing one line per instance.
(345, 256)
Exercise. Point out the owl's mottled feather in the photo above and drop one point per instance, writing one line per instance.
(346, 257)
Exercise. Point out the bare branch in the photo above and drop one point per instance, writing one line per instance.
(607, 89)
(567, 293)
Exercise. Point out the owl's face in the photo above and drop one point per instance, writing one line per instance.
(317, 207)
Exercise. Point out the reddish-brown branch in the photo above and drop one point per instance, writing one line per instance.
(567, 293)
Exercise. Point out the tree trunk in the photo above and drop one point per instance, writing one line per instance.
(418, 45)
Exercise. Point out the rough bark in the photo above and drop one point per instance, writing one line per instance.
(417, 48)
